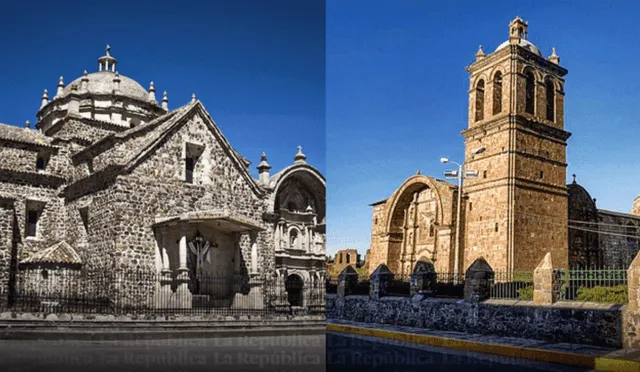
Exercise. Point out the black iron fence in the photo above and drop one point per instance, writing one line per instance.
(449, 285)
(117, 292)
(608, 285)
(516, 285)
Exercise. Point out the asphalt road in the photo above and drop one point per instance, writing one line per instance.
(257, 354)
(347, 353)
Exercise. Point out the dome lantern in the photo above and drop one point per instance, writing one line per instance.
(107, 62)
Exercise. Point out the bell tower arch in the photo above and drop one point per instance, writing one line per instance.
(516, 210)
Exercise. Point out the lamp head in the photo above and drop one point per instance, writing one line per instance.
(444, 160)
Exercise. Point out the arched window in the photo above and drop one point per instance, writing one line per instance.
(480, 101)
(497, 93)
(551, 98)
(293, 239)
(530, 92)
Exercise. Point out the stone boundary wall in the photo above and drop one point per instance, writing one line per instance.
(592, 326)
(88, 319)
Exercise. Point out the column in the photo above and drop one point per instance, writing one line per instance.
(182, 254)
(254, 258)
(166, 272)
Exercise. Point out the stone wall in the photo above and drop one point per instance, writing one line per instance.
(616, 248)
(554, 324)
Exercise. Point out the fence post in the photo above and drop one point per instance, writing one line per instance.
(424, 279)
(544, 282)
(379, 282)
(477, 281)
(347, 281)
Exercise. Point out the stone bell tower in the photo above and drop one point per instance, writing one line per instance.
(516, 209)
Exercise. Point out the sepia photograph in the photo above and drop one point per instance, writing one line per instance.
(162, 187)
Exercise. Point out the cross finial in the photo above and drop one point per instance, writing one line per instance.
(108, 48)
(574, 177)
(299, 148)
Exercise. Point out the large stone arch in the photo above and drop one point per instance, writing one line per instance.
(308, 178)
(405, 246)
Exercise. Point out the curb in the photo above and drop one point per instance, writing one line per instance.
(550, 356)
(138, 333)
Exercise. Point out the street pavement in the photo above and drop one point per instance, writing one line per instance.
(239, 353)
(350, 353)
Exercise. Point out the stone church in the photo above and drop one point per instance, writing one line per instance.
(518, 207)
(110, 179)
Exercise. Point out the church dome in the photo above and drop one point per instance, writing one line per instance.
(526, 44)
(102, 83)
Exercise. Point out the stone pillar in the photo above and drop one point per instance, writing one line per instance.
(166, 271)
(424, 279)
(347, 281)
(182, 255)
(254, 258)
(545, 282)
(380, 280)
(477, 281)
(631, 315)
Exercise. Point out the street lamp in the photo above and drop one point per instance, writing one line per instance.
(461, 174)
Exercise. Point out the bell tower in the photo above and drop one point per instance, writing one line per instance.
(516, 209)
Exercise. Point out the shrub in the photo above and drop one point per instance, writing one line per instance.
(616, 294)
(526, 293)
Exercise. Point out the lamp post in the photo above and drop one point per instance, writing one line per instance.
(461, 175)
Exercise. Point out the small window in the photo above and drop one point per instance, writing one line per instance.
(84, 215)
(32, 222)
(480, 101)
(541, 174)
(90, 165)
(470, 206)
(189, 166)
(340, 261)
(497, 93)
(348, 258)
(42, 161)
(496, 227)
(530, 91)
(192, 154)
(484, 174)
(45, 274)
(550, 90)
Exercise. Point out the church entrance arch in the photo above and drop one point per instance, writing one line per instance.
(415, 212)
(294, 286)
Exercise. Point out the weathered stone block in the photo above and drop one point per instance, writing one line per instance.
(477, 282)
(544, 282)
(379, 281)
(424, 279)
(347, 281)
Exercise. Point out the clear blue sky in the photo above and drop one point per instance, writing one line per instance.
(258, 67)
(397, 95)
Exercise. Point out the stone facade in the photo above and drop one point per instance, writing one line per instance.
(599, 237)
(131, 186)
(515, 210)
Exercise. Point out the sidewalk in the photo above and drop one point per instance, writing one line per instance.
(18, 329)
(600, 358)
